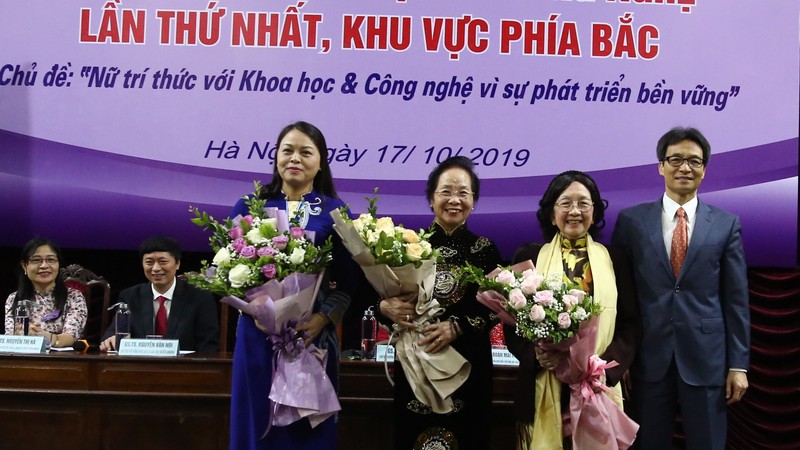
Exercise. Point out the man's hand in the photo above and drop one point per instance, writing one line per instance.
(108, 344)
(735, 386)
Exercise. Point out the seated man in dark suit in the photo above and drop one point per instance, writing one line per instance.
(167, 306)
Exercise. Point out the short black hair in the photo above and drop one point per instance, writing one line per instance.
(558, 185)
(460, 162)
(680, 134)
(160, 244)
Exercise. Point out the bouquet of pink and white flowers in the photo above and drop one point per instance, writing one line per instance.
(542, 308)
(256, 248)
(270, 269)
(397, 261)
(562, 318)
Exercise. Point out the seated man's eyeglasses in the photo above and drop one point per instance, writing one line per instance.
(677, 161)
(566, 205)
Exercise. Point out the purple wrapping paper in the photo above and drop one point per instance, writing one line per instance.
(299, 388)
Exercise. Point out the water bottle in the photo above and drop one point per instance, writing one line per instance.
(369, 332)
(122, 323)
(22, 318)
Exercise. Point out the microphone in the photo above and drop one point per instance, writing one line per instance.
(83, 346)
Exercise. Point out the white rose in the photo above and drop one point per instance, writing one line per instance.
(239, 275)
(414, 252)
(222, 256)
(270, 226)
(297, 256)
(255, 237)
(410, 236)
(385, 224)
(372, 237)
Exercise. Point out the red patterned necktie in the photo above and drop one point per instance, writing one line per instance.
(161, 317)
(680, 241)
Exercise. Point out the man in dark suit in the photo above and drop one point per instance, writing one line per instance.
(189, 314)
(693, 300)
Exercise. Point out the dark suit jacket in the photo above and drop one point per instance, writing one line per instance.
(702, 317)
(622, 349)
(192, 316)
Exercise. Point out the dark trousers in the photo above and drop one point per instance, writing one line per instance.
(702, 407)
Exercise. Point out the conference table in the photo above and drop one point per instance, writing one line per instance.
(66, 400)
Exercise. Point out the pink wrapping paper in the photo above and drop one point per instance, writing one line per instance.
(495, 300)
(595, 420)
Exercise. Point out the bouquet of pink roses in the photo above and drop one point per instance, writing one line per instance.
(562, 318)
(541, 308)
(396, 261)
(270, 269)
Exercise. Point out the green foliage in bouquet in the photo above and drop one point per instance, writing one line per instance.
(254, 249)
(541, 307)
(390, 244)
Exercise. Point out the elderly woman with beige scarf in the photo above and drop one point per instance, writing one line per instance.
(570, 212)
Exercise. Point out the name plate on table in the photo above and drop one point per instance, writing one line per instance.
(22, 344)
(502, 357)
(148, 347)
(384, 352)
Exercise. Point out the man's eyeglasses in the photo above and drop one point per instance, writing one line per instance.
(36, 261)
(462, 195)
(566, 205)
(677, 161)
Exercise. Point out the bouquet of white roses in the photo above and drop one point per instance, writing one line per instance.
(542, 308)
(397, 261)
(270, 268)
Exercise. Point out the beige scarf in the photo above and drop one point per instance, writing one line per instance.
(546, 431)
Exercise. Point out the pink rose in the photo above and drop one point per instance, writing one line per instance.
(265, 251)
(529, 285)
(269, 270)
(505, 277)
(517, 299)
(544, 298)
(569, 301)
(249, 219)
(280, 241)
(235, 232)
(537, 313)
(579, 294)
(238, 244)
(248, 251)
(297, 232)
(564, 320)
